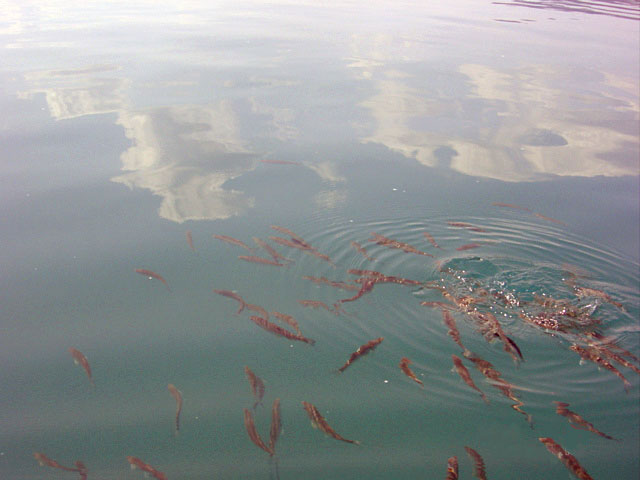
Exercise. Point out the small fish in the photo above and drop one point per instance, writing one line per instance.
(361, 250)
(452, 468)
(233, 241)
(466, 376)
(431, 240)
(271, 251)
(289, 320)
(150, 274)
(331, 283)
(135, 462)
(257, 386)
(479, 470)
(509, 205)
(43, 460)
(468, 226)
(178, 397)
(263, 261)
(80, 359)
(405, 247)
(362, 350)
(235, 296)
(276, 329)
(257, 308)
(468, 246)
(318, 421)
(404, 366)
(316, 304)
(276, 424)
(577, 421)
(567, 459)
(253, 433)
(81, 468)
(549, 219)
(366, 287)
(453, 331)
(190, 240)
(297, 238)
(594, 356)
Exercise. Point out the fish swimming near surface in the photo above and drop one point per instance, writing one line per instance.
(466, 376)
(362, 251)
(261, 260)
(80, 359)
(566, 458)
(510, 205)
(479, 469)
(253, 433)
(549, 219)
(468, 246)
(278, 330)
(135, 462)
(150, 274)
(273, 253)
(233, 295)
(276, 424)
(391, 243)
(404, 366)
(43, 460)
(233, 241)
(467, 226)
(362, 350)
(452, 468)
(289, 320)
(366, 286)
(592, 354)
(453, 331)
(178, 397)
(257, 386)
(331, 283)
(81, 468)
(577, 421)
(318, 421)
(431, 240)
(190, 240)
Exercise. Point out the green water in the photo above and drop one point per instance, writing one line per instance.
(127, 125)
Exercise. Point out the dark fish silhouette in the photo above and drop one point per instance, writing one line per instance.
(362, 350)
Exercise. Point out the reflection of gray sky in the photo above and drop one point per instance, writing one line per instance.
(512, 125)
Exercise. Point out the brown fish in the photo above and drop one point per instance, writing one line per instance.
(362, 251)
(43, 460)
(577, 421)
(291, 243)
(405, 247)
(452, 468)
(145, 467)
(479, 470)
(289, 320)
(468, 226)
(510, 205)
(271, 251)
(431, 240)
(257, 308)
(404, 366)
(80, 359)
(150, 274)
(276, 329)
(366, 287)
(263, 261)
(175, 393)
(257, 386)
(549, 219)
(593, 355)
(567, 459)
(318, 421)
(235, 296)
(331, 283)
(190, 240)
(253, 433)
(468, 246)
(317, 304)
(233, 241)
(276, 424)
(453, 331)
(362, 350)
(81, 468)
(464, 374)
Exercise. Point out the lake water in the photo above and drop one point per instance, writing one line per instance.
(128, 124)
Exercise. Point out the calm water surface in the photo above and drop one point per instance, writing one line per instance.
(125, 125)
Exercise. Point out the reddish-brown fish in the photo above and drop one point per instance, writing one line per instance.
(271, 251)
(453, 331)
(466, 376)
(468, 246)
(405, 247)
(362, 350)
(404, 366)
(276, 424)
(145, 467)
(366, 287)
(263, 261)
(233, 241)
(253, 433)
(80, 359)
(468, 226)
(276, 329)
(190, 240)
(257, 308)
(297, 238)
(235, 296)
(549, 219)
(81, 468)
(43, 460)
(593, 355)
(479, 470)
(577, 421)
(316, 304)
(289, 320)
(452, 468)
(362, 251)
(175, 393)
(510, 205)
(331, 283)
(257, 386)
(431, 240)
(150, 274)
(318, 421)
(567, 459)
